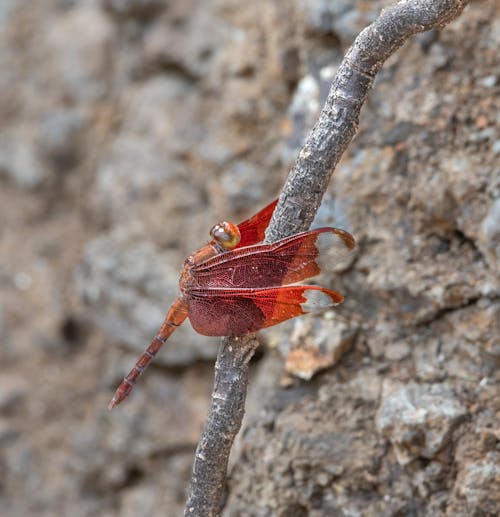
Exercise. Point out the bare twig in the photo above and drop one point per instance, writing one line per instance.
(338, 121)
(299, 201)
(222, 425)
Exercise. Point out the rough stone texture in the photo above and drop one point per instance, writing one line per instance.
(127, 128)
(418, 419)
(311, 344)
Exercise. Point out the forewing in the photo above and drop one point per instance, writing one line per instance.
(235, 312)
(253, 230)
(284, 262)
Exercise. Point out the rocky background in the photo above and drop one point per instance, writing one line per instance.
(129, 127)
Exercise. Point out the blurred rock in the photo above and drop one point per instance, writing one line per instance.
(81, 64)
(397, 351)
(12, 392)
(430, 363)
(138, 161)
(139, 500)
(19, 158)
(490, 235)
(344, 19)
(418, 419)
(303, 111)
(480, 327)
(6, 8)
(135, 8)
(429, 480)
(479, 484)
(240, 185)
(185, 47)
(61, 135)
(439, 56)
(8, 433)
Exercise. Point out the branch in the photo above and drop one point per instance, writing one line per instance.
(221, 427)
(299, 201)
(338, 121)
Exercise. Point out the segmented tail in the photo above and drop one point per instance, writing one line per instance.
(176, 315)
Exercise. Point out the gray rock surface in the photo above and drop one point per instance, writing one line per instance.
(418, 419)
(127, 129)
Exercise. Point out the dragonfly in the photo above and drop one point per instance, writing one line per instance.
(237, 285)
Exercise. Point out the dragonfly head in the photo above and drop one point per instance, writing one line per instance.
(226, 235)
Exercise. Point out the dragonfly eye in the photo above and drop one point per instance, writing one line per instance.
(226, 235)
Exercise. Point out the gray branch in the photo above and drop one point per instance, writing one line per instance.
(338, 121)
(221, 427)
(299, 201)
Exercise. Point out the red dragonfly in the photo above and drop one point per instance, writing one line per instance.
(235, 285)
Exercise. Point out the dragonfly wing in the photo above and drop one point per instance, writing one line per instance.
(287, 261)
(235, 312)
(253, 230)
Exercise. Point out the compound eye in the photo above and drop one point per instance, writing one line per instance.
(226, 235)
